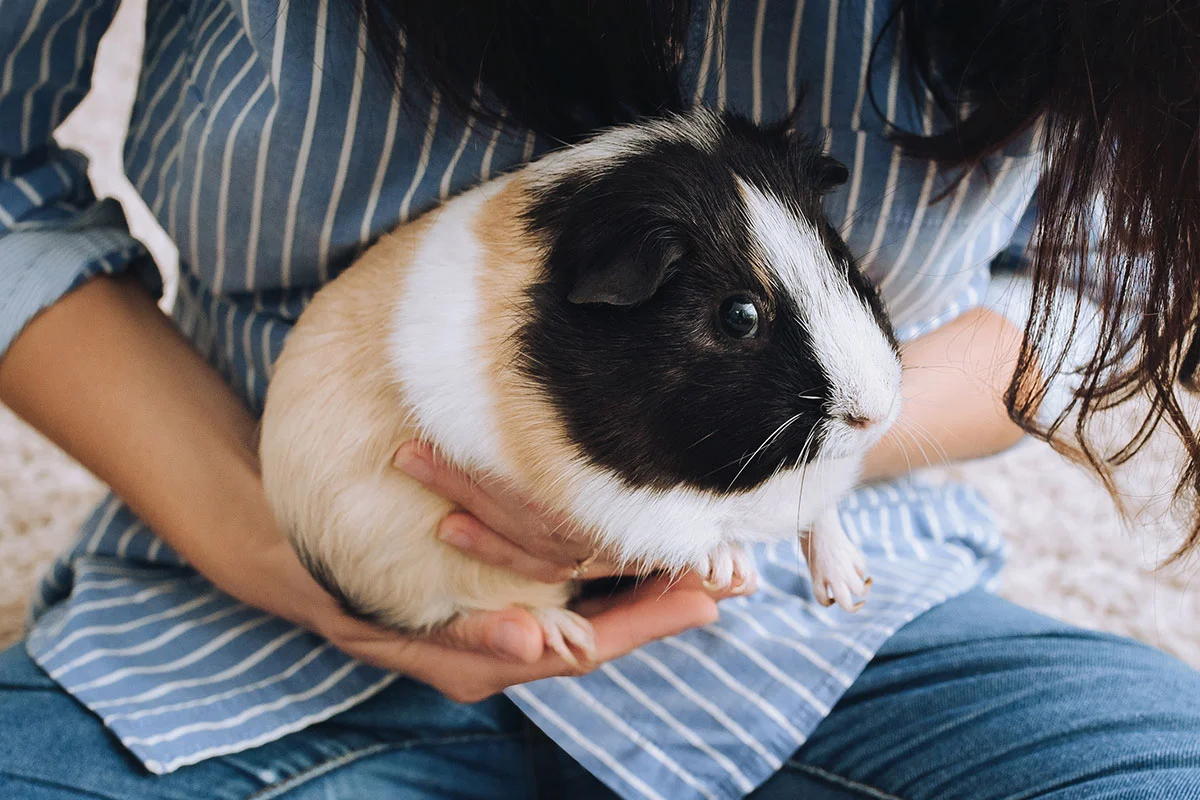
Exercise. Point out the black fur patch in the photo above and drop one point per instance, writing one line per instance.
(654, 390)
(325, 578)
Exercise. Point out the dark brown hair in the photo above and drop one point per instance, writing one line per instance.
(1115, 86)
(1125, 111)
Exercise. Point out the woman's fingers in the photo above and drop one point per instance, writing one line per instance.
(646, 616)
(420, 463)
(511, 634)
(497, 506)
(658, 586)
(618, 630)
(464, 532)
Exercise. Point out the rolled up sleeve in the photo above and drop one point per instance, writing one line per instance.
(54, 233)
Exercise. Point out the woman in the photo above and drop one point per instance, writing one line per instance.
(275, 140)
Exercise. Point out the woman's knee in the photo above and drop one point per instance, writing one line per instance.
(983, 700)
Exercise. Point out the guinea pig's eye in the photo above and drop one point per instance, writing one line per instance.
(739, 317)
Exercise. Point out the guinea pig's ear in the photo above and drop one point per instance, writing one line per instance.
(627, 278)
(794, 119)
(831, 173)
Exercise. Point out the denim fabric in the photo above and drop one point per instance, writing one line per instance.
(976, 699)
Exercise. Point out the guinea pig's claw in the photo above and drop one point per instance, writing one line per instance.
(567, 633)
(728, 568)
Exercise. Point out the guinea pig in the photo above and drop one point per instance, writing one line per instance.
(656, 331)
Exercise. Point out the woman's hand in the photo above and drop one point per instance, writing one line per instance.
(501, 527)
(105, 375)
(479, 654)
(486, 652)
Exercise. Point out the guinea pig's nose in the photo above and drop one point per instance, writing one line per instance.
(859, 421)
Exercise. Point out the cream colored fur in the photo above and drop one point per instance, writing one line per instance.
(334, 417)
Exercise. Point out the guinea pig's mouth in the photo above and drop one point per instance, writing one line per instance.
(853, 433)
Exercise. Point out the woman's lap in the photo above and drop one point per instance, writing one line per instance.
(975, 699)
(982, 699)
(407, 736)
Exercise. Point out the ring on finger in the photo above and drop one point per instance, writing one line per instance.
(582, 566)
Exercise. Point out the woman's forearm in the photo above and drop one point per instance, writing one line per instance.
(106, 376)
(953, 386)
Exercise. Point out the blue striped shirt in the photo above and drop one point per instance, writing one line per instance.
(272, 153)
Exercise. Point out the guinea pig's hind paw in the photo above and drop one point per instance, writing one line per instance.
(566, 633)
(728, 568)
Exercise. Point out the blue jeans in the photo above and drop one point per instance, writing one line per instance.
(976, 699)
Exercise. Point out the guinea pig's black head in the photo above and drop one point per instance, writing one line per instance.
(699, 322)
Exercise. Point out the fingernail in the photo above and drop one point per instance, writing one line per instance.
(509, 639)
(411, 460)
(455, 536)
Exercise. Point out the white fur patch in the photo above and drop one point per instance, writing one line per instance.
(862, 367)
(436, 343)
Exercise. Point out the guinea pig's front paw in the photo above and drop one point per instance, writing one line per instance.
(728, 568)
(566, 632)
(839, 571)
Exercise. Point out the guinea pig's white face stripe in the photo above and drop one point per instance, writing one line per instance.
(699, 127)
(862, 368)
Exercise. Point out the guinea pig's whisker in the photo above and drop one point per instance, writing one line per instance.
(931, 440)
(803, 475)
(739, 460)
(913, 439)
(766, 443)
(904, 452)
(916, 442)
(779, 468)
(918, 435)
(799, 563)
(808, 397)
(917, 402)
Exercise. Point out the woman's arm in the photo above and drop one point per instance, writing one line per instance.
(954, 383)
(106, 376)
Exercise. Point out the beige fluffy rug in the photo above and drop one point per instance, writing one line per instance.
(1071, 558)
